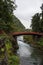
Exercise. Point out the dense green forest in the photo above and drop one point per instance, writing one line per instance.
(37, 26)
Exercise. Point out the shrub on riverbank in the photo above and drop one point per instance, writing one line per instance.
(34, 43)
(40, 42)
(29, 39)
(13, 60)
(8, 54)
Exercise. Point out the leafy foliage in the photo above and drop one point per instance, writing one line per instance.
(7, 24)
(40, 42)
(37, 22)
(6, 13)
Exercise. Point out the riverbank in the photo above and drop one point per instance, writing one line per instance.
(7, 55)
(34, 43)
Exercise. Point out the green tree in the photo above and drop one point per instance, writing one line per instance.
(35, 22)
(37, 25)
(6, 13)
(42, 18)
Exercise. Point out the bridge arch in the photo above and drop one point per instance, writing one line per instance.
(27, 33)
(36, 34)
(15, 34)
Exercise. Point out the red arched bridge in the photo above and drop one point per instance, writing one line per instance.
(23, 33)
(27, 33)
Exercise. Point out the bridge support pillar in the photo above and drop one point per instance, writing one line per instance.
(14, 44)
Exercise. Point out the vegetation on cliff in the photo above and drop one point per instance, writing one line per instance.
(18, 26)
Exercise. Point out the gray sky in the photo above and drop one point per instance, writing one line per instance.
(26, 9)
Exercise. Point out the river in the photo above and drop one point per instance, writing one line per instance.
(29, 55)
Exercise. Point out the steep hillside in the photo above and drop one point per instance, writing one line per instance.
(18, 26)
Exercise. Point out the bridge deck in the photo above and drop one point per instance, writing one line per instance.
(27, 33)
